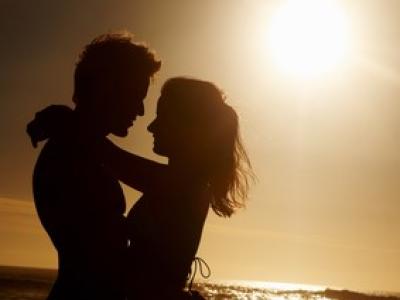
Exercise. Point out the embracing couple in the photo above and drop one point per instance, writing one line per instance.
(147, 255)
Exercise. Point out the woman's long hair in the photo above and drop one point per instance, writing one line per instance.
(215, 126)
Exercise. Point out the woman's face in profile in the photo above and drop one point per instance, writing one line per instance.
(168, 128)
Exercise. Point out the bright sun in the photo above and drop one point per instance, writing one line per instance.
(308, 37)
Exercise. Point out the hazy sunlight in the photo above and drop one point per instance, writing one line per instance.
(307, 38)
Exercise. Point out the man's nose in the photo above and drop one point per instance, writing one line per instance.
(140, 111)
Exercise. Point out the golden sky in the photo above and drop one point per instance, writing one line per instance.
(325, 149)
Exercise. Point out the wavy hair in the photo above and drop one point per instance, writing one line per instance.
(222, 156)
(112, 56)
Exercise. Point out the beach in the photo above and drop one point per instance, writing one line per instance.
(18, 283)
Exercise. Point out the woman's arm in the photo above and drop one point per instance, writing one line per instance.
(137, 172)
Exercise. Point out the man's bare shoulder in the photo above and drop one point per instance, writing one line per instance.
(62, 157)
(64, 173)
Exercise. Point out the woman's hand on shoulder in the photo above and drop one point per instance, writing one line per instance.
(48, 122)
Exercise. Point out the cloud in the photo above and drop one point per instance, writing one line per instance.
(24, 241)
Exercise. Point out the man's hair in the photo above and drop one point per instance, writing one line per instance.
(111, 56)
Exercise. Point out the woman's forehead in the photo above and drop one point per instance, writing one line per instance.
(165, 105)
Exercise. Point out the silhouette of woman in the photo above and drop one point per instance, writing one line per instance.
(207, 166)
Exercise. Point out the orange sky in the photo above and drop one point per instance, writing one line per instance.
(325, 151)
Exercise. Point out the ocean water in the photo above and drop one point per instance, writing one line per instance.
(34, 284)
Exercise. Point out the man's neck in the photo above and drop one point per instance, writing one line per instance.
(88, 126)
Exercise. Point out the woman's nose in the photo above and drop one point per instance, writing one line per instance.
(150, 128)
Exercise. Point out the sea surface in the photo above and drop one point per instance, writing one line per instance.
(18, 283)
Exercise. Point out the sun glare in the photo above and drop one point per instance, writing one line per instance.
(308, 37)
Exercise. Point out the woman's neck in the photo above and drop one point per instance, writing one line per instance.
(188, 168)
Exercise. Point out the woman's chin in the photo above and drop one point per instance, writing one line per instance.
(158, 151)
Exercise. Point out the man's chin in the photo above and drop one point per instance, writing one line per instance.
(120, 132)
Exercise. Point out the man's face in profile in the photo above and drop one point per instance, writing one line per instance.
(126, 103)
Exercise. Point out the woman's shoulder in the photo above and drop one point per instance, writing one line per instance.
(178, 192)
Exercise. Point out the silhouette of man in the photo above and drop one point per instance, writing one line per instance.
(80, 205)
